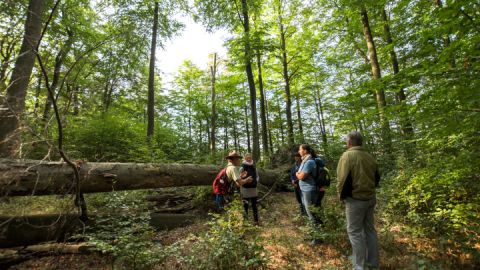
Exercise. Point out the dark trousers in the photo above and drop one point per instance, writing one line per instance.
(219, 201)
(253, 202)
(318, 204)
(321, 194)
(298, 195)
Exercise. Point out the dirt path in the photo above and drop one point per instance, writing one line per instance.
(284, 236)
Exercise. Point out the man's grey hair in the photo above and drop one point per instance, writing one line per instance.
(355, 138)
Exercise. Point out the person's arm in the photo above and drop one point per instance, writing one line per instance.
(377, 178)
(343, 170)
(305, 170)
(293, 177)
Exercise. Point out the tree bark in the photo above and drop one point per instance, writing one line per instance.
(13, 107)
(20, 231)
(213, 70)
(151, 77)
(37, 94)
(32, 177)
(247, 127)
(263, 115)
(446, 38)
(76, 104)
(251, 83)
(280, 119)
(376, 74)
(406, 124)
(27, 230)
(320, 117)
(299, 118)
(286, 78)
(56, 73)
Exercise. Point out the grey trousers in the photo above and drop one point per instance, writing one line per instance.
(361, 232)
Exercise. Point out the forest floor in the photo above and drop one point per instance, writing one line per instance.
(282, 233)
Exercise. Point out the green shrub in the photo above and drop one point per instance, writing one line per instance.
(122, 231)
(230, 243)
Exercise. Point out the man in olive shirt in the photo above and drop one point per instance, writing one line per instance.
(233, 169)
(358, 177)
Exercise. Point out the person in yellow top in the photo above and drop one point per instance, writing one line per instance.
(357, 174)
(233, 169)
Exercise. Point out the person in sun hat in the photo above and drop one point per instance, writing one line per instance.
(233, 169)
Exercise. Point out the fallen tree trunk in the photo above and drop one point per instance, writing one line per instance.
(33, 177)
(28, 230)
(13, 256)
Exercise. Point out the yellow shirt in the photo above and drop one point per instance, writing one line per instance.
(233, 172)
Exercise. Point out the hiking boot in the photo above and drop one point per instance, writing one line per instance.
(315, 242)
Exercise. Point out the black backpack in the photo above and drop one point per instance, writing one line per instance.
(323, 177)
(251, 171)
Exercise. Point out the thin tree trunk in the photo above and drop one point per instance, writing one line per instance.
(235, 136)
(56, 73)
(76, 104)
(13, 107)
(263, 116)
(286, 78)
(299, 119)
(107, 95)
(376, 74)
(270, 141)
(282, 132)
(251, 83)
(213, 70)
(37, 94)
(247, 127)
(406, 124)
(225, 138)
(446, 38)
(151, 77)
(320, 118)
(7, 57)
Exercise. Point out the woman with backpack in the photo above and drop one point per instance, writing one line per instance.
(249, 191)
(307, 174)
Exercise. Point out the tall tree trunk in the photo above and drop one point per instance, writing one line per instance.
(76, 104)
(446, 38)
(406, 124)
(213, 70)
(320, 117)
(107, 95)
(251, 83)
(13, 107)
(270, 141)
(376, 74)
(286, 78)
(151, 76)
(299, 118)
(225, 137)
(56, 73)
(37, 94)
(263, 115)
(247, 127)
(235, 136)
(280, 119)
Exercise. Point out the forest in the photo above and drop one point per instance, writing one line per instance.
(108, 163)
